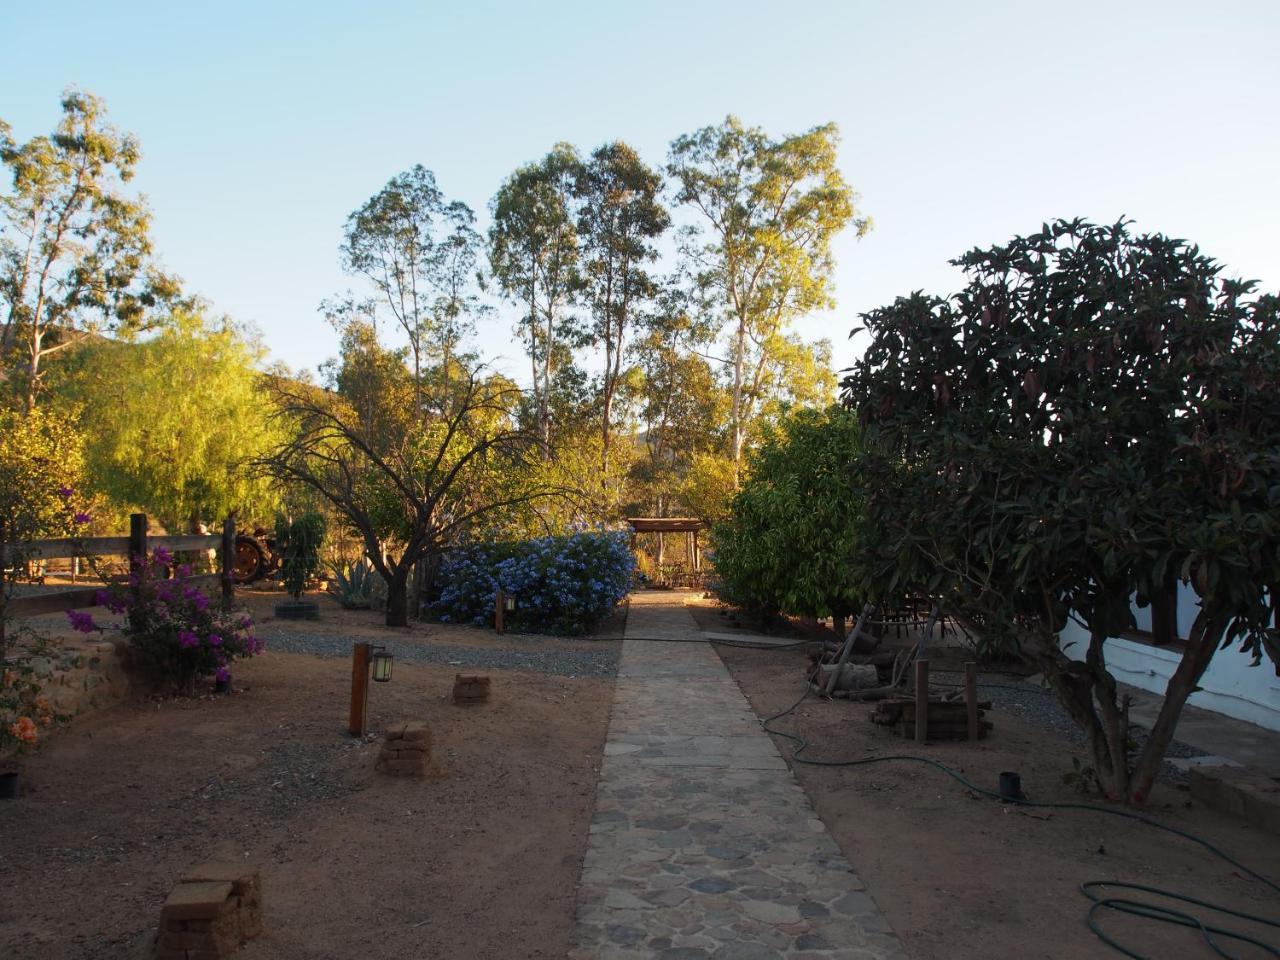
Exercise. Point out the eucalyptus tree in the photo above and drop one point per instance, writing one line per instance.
(535, 258)
(1094, 417)
(619, 218)
(761, 254)
(75, 248)
(420, 252)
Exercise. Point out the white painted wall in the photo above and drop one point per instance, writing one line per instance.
(1230, 686)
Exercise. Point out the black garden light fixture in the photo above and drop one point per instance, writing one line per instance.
(382, 663)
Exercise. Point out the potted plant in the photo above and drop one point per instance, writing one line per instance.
(24, 715)
(298, 546)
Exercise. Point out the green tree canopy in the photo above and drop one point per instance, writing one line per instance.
(794, 534)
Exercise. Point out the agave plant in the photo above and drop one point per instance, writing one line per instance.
(357, 586)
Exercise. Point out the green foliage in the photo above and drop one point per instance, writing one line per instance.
(75, 250)
(1096, 415)
(298, 543)
(172, 422)
(795, 532)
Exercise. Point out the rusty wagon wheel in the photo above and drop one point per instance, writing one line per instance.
(251, 560)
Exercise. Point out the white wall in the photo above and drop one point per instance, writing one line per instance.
(1230, 686)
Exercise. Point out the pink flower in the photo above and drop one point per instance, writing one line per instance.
(223, 674)
(246, 622)
(215, 640)
(81, 518)
(66, 493)
(81, 621)
(162, 556)
(187, 639)
(184, 570)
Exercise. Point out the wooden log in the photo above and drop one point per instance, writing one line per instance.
(971, 698)
(228, 549)
(358, 720)
(922, 701)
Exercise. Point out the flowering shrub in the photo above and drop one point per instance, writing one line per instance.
(561, 584)
(178, 634)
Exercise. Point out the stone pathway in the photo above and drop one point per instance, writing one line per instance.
(703, 846)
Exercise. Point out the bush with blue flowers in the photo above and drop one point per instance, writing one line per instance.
(562, 584)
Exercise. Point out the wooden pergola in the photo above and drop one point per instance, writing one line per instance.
(689, 526)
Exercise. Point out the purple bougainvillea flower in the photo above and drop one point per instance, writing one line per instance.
(184, 570)
(161, 555)
(199, 601)
(66, 493)
(246, 622)
(81, 518)
(223, 674)
(102, 598)
(81, 621)
(215, 640)
(187, 639)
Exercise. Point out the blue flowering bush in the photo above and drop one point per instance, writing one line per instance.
(562, 584)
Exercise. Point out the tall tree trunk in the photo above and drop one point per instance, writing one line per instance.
(397, 596)
(1206, 635)
(739, 359)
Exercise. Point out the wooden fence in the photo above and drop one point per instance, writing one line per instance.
(136, 545)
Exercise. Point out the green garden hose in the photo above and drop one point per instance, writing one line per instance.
(1133, 907)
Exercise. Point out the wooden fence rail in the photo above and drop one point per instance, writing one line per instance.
(136, 545)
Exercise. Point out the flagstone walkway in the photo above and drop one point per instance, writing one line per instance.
(703, 846)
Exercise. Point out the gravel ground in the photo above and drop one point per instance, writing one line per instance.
(1038, 705)
(602, 662)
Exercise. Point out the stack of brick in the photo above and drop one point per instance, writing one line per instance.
(406, 751)
(213, 909)
(470, 688)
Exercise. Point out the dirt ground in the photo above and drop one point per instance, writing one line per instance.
(964, 878)
(481, 860)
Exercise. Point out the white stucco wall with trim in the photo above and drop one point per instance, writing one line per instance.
(1230, 686)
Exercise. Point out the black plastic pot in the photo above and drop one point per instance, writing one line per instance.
(10, 786)
(298, 610)
(1011, 786)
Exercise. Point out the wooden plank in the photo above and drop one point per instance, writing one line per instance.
(59, 601)
(186, 542)
(971, 697)
(77, 547)
(922, 701)
(42, 603)
(228, 549)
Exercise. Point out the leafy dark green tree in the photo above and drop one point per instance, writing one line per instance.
(761, 255)
(619, 218)
(794, 532)
(535, 258)
(1095, 416)
(75, 249)
(298, 541)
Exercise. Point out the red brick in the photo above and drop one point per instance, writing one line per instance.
(196, 901)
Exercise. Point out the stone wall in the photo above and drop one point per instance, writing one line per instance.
(80, 676)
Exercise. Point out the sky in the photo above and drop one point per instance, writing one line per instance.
(263, 125)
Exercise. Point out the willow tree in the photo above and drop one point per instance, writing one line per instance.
(75, 247)
(409, 485)
(1094, 418)
(761, 254)
(172, 422)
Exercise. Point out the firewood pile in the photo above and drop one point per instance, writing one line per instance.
(944, 719)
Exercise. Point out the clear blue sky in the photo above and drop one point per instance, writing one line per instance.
(264, 124)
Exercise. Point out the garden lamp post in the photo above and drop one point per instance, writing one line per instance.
(362, 655)
(503, 603)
